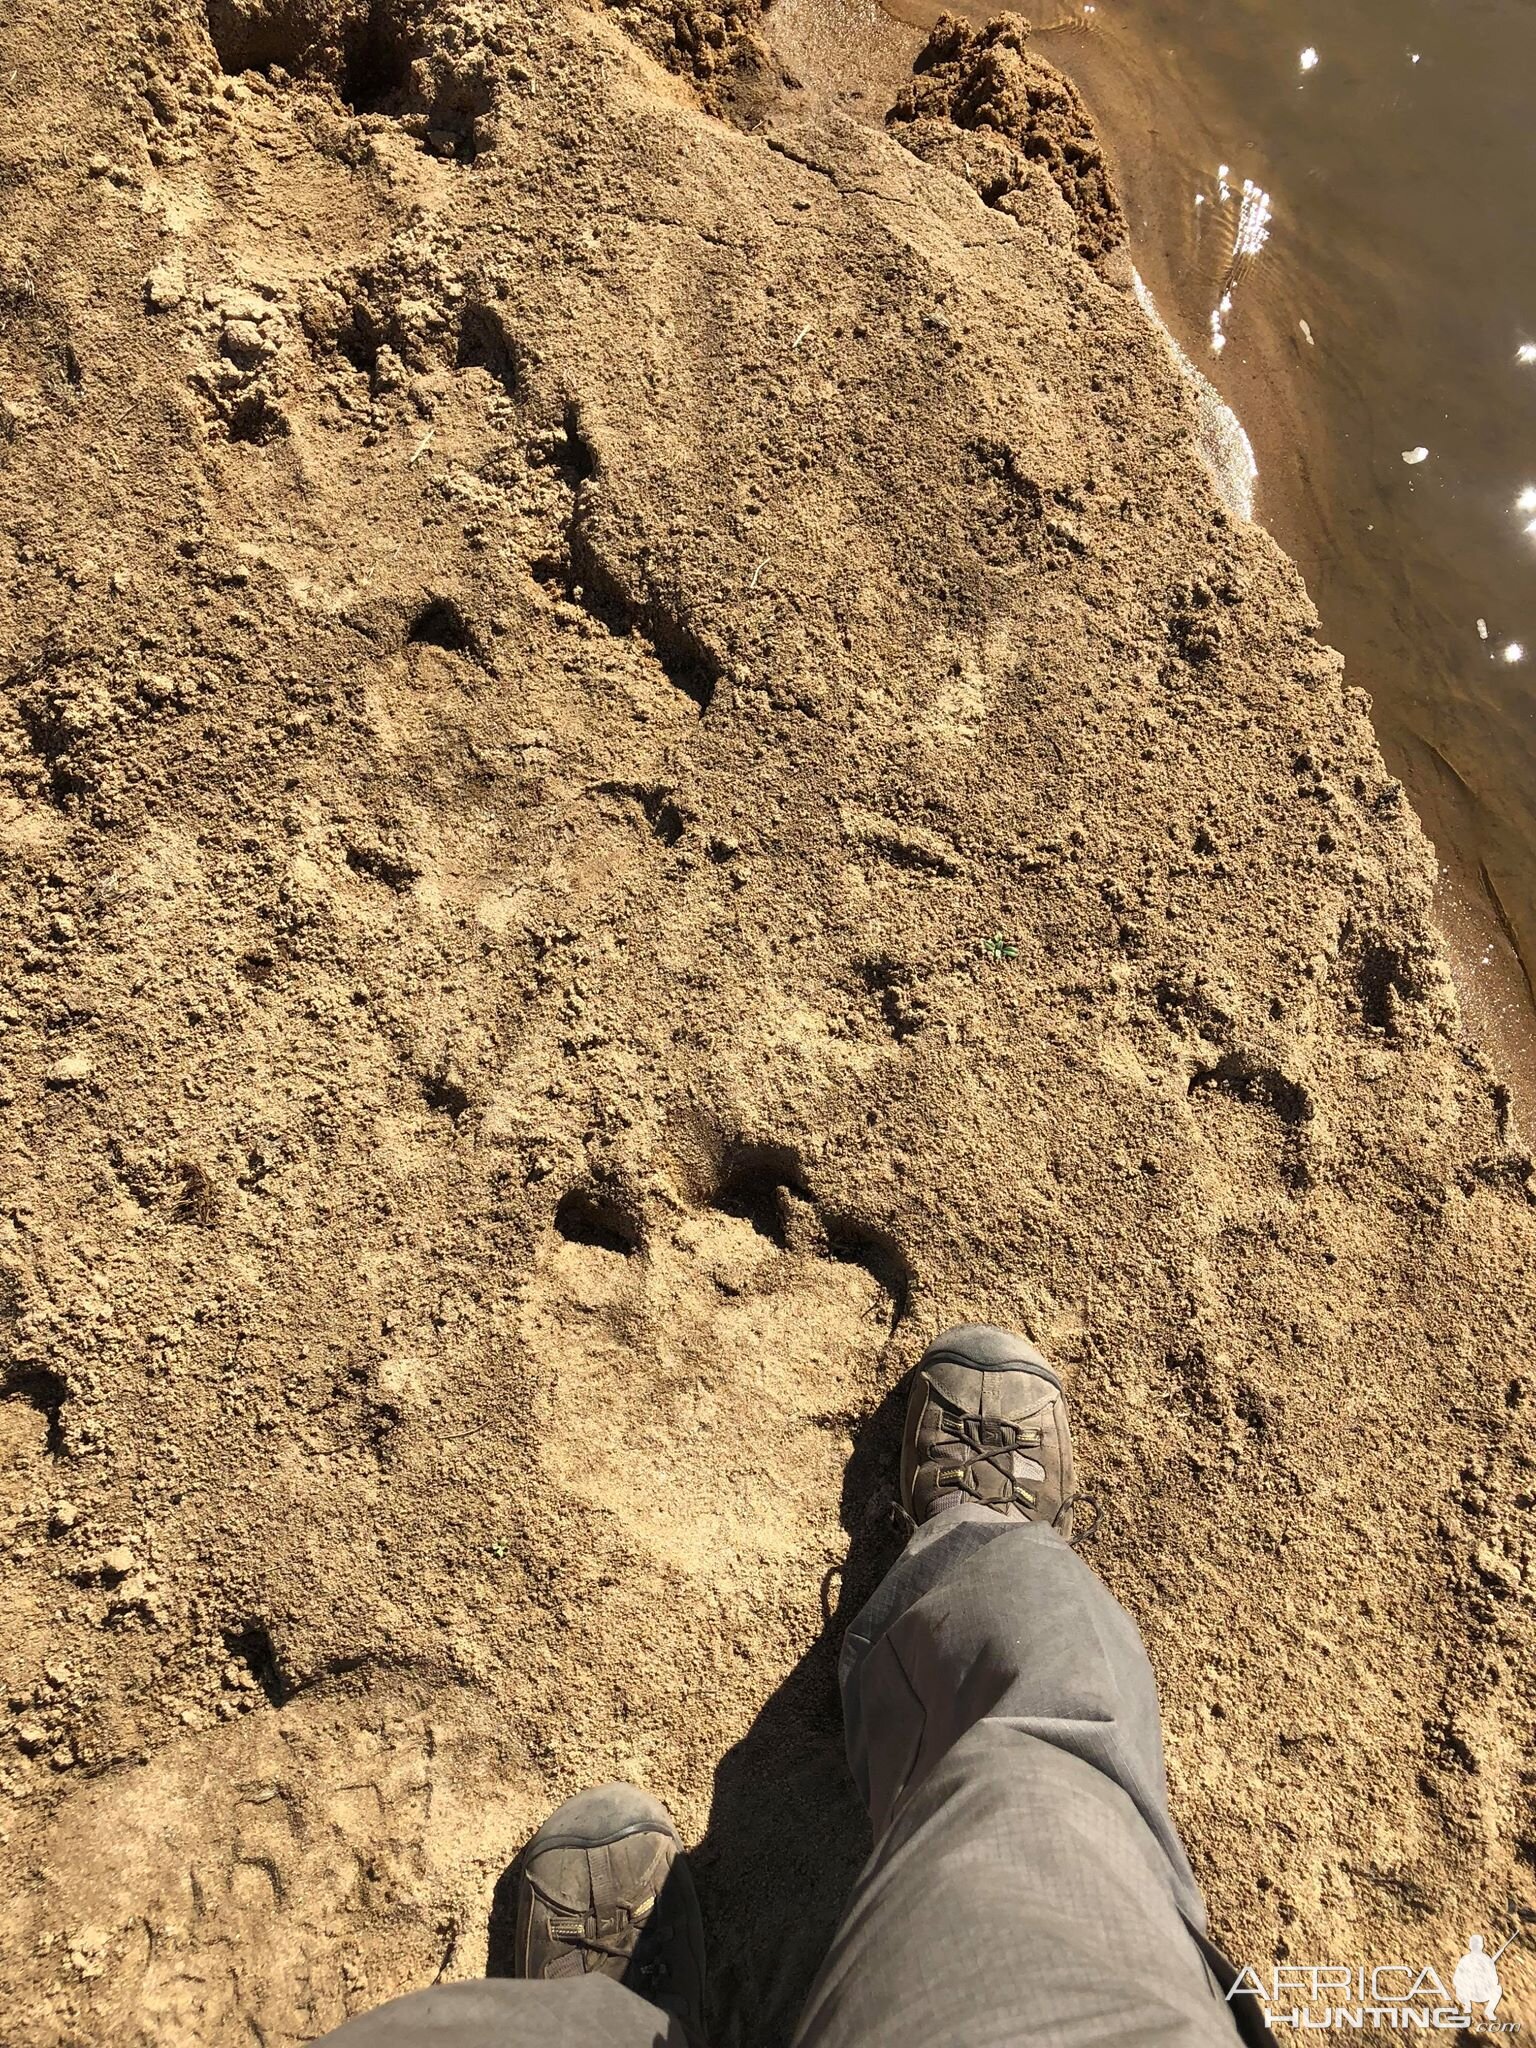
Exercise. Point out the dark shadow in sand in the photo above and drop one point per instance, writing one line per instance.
(787, 1831)
(500, 1947)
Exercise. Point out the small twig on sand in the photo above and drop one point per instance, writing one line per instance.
(805, 330)
(453, 1942)
(757, 571)
(421, 447)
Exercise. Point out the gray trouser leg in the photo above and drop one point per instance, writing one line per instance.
(1027, 1889)
(502, 2012)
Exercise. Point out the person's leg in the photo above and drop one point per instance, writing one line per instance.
(1027, 1885)
(608, 1950)
(506, 2013)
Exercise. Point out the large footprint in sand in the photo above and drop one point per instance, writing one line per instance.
(725, 1347)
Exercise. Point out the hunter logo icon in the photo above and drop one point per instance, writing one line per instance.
(1475, 1980)
(1378, 1997)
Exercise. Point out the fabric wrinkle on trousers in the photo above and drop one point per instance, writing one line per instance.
(508, 2012)
(1026, 1884)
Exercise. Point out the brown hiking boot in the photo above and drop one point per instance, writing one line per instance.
(987, 1421)
(604, 1886)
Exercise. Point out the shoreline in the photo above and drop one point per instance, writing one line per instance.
(1144, 105)
(859, 56)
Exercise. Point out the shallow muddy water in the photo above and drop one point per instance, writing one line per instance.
(1334, 208)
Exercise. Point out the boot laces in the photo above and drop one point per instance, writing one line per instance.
(976, 1441)
(620, 1937)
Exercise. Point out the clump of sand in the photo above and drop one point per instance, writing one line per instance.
(987, 107)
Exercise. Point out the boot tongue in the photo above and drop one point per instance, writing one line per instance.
(579, 1882)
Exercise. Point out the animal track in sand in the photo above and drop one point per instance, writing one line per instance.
(667, 820)
(31, 1417)
(1252, 1109)
(1385, 985)
(440, 623)
(607, 589)
(591, 1216)
(378, 56)
(1248, 1081)
(716, 1341)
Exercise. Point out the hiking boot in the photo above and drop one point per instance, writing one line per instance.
(987, 1421)
(604, 1887)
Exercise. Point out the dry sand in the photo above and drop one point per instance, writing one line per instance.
(636, 765)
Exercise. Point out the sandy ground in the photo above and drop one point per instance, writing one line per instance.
(636, 765)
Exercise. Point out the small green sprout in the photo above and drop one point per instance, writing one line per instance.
(999, 947)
